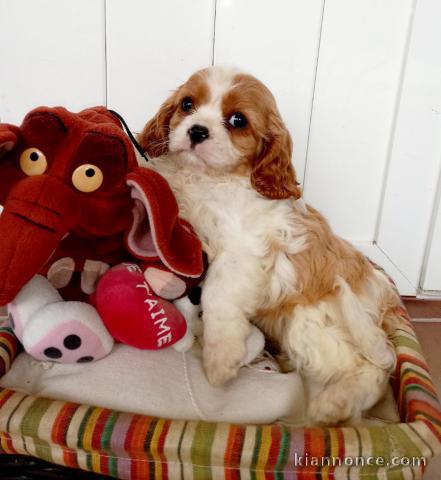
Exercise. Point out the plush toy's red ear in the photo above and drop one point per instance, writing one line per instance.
(9, 173)
(8, 138)
(157, 232)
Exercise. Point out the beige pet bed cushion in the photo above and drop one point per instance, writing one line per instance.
(163, 383)
(172, 385)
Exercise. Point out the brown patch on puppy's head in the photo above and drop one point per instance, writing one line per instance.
(154, 137)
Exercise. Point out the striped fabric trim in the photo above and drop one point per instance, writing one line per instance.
(136, 447)
(8, 349)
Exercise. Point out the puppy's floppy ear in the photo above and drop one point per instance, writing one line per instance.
(273, 175)
(154, 136)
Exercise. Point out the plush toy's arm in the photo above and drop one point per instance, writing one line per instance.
(75, 278)
(167, 284)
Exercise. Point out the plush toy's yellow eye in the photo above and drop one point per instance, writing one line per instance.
(87, 178)
(33, 162)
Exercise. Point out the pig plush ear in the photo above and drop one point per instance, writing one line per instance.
(8, 138)
(157, 233)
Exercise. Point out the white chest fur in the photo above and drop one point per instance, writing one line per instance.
(236, 224)
(227, 213)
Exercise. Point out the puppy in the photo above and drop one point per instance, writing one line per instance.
(274, 260)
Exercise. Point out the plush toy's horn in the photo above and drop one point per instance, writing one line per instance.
(38, 213)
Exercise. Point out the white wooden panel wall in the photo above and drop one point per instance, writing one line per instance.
(415, 160)
(152, 47)
(360, 59)
(278, 42)
(432, 278)
(51, 53)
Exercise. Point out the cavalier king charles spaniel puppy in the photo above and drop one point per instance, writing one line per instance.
(273, 260)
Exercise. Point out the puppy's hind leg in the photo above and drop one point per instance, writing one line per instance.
(347, 398)
(341, 383)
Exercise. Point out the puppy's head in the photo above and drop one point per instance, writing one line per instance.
(221, 120)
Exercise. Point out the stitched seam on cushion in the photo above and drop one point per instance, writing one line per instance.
(173, 462)
(190, 390)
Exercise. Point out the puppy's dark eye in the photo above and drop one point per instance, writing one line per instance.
(238, 120)
(187, 104)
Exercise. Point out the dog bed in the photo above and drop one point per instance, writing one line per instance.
(133, 446)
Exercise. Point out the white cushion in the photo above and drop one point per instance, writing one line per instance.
(163, 383)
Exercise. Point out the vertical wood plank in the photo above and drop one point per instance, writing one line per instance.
(431, 280)
(51, 53)
(152, 47)
(415, 160)
(277, 42)
(361, 53)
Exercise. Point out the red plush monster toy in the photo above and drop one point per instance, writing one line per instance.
(76, 204)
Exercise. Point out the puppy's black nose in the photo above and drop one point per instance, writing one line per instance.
(198, 134)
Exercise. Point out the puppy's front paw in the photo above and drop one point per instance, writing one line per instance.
(222, 360)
